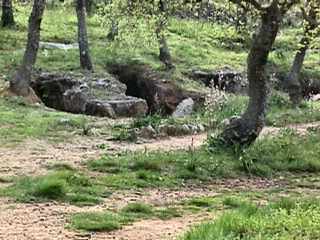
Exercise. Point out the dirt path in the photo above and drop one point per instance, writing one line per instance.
(48, 220)
(34, 156)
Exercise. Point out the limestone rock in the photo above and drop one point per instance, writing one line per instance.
(224, 79)
(62, 46)
(147, 132)
(98, 95)
(185, 108)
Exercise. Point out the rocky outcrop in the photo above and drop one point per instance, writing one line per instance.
(99, 95)
(225, 79)
(161, 94)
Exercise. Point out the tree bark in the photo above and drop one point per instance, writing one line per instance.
(114, 30)
(164, 51)
(293, 83)
(85, 59)
(245, 130)
(7, 19)
(20, 84)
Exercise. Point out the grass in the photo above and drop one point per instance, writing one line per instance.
(201, 202)
(287, 152)
(18, 122)
(138, 210)
(109, 221)
(280, 113)
(193, 45)
(66, 186)
(271, 156)
(92, 221)
(283, 220)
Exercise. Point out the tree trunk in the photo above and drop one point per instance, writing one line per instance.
(7, 19)
(164, 52)
(293, 83)
(20, 84)
(85, 60)
(114, 30)
(89, 7)
(244, 130)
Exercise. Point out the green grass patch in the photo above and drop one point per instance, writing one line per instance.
(269, 156)
(19, 121)
(299, 220)
(92, 221)
(109, 221)
(286, 152)
(138, 210)
(66, 186)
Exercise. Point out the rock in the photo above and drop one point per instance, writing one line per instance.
(162, 95)
(193, 128)
(74, 100)
(225, 79)
(185, 128)
(201, 128)
(147, 132)
(62, 46)
(315, 97)
(174, 130)
(185, 108)
(129, 107)
(98, 95)
(230, 120)
(99, 108)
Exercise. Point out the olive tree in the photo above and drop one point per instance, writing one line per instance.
(84, 52)
(245, 129)
(20, 83)
(7, 19)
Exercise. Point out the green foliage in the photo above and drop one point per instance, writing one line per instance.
(271, 222)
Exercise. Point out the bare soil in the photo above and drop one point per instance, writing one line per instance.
(45, 221)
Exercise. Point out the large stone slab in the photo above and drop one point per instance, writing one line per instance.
(93, 94)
